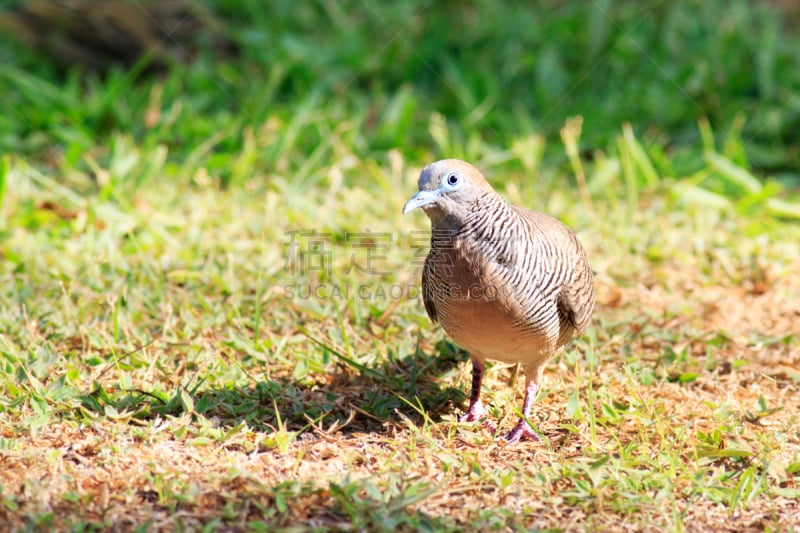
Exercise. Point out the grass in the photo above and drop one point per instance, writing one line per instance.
(208, 295)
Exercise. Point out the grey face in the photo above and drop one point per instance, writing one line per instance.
(437, 182)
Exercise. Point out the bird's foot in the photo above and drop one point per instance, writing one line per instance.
(491, 426)
(520, 432)
(475, 412)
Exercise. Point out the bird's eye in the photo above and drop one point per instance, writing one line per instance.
(452, 179)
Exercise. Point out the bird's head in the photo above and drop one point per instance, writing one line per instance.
(447, 190)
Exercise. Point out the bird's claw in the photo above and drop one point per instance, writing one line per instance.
(475, 412)
(520, 432)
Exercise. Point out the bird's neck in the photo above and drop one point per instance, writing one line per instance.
(489, 215)
(488, 218)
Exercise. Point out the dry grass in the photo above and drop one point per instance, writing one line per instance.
(161, 369)
(161, 472)
(168, 382)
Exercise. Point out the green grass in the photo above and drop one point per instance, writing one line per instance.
(162, 365)
(383, 71)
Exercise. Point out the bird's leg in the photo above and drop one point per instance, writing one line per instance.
(476, 410)
(522, 430)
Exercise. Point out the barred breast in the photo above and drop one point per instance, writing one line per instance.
(512, 284)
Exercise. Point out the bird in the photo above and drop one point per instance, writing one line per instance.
(506, 283)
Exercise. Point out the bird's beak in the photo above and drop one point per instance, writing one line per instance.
(421, 199)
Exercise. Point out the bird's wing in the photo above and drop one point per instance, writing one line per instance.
(427, 287)
(561, 269)
(576, 299)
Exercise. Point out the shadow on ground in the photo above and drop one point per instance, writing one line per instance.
(359, 400)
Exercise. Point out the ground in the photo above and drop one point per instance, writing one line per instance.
(209, 297)
(186, 396)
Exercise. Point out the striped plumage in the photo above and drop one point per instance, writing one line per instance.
(506, 283)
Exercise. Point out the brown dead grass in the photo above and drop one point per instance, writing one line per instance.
(118, 473)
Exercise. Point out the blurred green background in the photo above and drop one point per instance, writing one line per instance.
(156, 157)
(496, 71)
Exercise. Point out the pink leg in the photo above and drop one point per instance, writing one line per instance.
(522, 430)
(476, 410)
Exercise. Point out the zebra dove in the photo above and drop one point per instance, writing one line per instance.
(506, 283)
